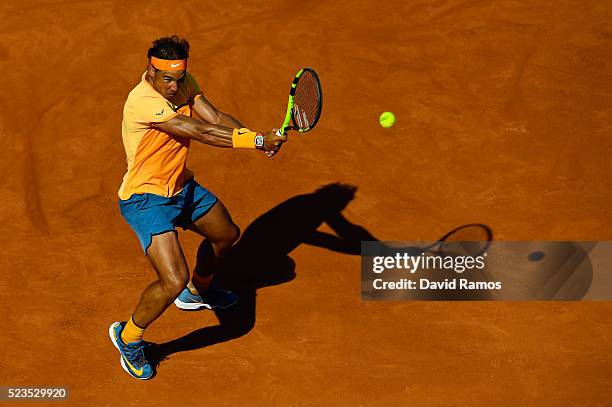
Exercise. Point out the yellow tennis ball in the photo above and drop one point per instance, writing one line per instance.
(387, 119)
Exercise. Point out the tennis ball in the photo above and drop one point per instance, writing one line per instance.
(387, 119)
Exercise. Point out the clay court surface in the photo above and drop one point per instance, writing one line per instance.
(504, 118)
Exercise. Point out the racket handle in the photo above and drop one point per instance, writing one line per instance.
(273, 153)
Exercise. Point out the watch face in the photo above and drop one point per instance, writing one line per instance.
(259, 140)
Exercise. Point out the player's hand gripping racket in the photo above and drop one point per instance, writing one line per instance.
(304, 106)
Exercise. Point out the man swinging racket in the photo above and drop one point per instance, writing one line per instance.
(161, 116)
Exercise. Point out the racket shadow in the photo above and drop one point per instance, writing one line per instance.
(261, 259)
(473, 239)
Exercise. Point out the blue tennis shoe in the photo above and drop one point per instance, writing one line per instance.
(210, 299)
(133, 359)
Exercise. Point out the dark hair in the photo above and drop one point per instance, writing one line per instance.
(169, 48)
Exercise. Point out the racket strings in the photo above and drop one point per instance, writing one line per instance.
(306, 101)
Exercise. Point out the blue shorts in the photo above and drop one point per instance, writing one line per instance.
(150, 214)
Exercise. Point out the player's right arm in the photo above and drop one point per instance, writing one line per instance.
(212, 134)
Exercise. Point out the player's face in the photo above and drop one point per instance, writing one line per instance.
(168, 82)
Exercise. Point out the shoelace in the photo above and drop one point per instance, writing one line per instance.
(136, 354)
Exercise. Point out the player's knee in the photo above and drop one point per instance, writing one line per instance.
(234, 234)
(229, 237)
(175, 282)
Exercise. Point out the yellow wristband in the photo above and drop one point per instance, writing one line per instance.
(243, 138)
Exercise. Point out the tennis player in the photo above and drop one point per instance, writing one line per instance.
(161, 116)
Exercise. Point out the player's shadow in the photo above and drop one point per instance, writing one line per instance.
(261, 259)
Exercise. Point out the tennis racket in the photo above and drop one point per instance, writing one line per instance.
(304, 106)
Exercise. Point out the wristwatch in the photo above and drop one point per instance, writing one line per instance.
(259, 140)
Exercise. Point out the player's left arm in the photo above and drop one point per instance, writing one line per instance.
(208, 112)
